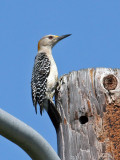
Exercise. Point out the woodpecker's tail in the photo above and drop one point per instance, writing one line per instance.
(54, 114)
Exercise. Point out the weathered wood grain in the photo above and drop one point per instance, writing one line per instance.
(89, 104)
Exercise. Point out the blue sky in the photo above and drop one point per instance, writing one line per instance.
(95, 42)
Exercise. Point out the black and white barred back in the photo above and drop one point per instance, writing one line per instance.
(40, 74)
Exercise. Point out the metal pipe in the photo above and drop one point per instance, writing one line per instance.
(26, 138)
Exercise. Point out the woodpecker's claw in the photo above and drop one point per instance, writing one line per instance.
(59, 83)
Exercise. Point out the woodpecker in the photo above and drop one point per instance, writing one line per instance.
(45, 75)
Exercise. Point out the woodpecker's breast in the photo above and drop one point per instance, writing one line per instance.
(53, 76)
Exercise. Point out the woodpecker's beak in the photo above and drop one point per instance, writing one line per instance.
(62, 37)
(59, 38)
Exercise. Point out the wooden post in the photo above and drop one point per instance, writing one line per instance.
(89, 104)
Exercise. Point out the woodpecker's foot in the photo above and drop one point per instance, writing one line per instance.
(49, 95)
(59, 83)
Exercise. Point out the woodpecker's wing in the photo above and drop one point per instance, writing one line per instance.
(40, 73)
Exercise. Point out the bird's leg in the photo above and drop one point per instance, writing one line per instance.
(59, 83)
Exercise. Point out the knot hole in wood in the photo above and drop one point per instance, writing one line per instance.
(110, 82)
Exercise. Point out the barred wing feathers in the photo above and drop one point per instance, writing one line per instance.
(40, 74)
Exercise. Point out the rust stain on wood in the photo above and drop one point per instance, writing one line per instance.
(98, 128)
(117, 101)
(111, 130)
(65, 121)
(91, 75)
(89, 107)
(92, 80)
(76, 115)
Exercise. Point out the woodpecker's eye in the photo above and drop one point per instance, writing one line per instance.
(50, 37)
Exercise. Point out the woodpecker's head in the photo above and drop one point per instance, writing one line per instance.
(50, 40)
